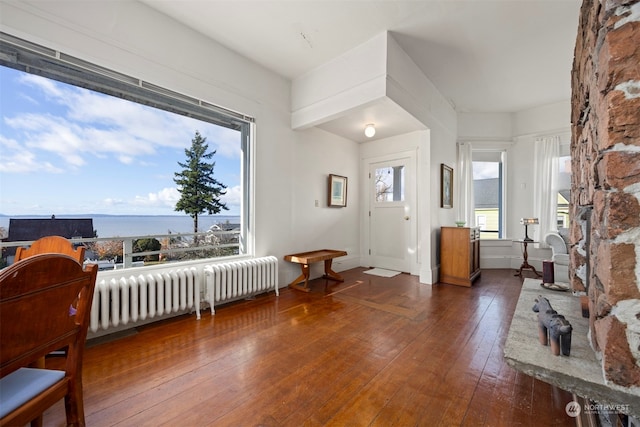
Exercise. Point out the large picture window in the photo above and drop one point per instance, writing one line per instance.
(81, 140)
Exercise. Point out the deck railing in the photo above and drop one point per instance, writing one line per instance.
(174, 247)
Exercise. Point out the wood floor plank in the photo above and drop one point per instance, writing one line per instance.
(369, 351)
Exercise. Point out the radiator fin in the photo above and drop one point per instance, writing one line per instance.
(228, 281)
(135, 298)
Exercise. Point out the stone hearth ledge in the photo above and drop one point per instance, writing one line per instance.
(581, 372)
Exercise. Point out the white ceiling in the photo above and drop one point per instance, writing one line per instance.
(483, 56)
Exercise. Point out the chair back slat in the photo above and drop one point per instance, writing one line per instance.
(41, 300)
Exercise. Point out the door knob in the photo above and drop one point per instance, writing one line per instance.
(406, 218)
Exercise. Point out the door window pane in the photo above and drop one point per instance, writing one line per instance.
(390, 184)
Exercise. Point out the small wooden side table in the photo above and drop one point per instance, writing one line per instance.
(306, 258)
(525, 256)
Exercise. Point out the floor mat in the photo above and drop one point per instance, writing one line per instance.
(382, 272)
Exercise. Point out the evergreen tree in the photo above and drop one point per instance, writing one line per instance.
(200, 191)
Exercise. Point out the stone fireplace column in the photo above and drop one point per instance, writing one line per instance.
(605, 189)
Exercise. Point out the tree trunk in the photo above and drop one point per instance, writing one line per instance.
(195, 229)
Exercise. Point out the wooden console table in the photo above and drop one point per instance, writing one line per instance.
(306, 258)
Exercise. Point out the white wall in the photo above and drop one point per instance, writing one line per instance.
(359, 77)
(346, 82)
(290, 167)
(542, 120)
(412, 90)
(546, 120)
(318, 154)
(416, 94)
(485, 127)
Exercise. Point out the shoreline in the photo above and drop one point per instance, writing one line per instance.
(137, 225)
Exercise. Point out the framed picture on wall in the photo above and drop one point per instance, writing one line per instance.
(337, 191)
(446, 186)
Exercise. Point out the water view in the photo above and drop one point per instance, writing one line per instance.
(140, 225)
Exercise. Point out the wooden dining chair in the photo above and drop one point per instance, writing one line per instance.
(51, 244)
(45, 305)
(46, 245)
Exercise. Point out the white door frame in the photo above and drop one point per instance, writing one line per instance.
(366, 164)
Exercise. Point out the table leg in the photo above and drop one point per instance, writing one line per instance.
(329, 273)
(525, 263)
(527, 266)
(304, 277)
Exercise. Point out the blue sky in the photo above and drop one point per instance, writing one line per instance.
(67, 150)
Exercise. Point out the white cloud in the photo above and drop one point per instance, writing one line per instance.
(485, 170)
(233, 198)
(18, 159)
(225, 142)
(45, 132)
(49, 87)
(167, 197)
(114, 153)
(94, 124)
(113, 202)
(127, 160)
(72, 142)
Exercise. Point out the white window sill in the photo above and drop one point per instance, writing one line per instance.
(496, 243)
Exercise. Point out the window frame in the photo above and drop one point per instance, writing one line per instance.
(39, 60)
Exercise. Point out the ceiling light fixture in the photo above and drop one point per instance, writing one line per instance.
(370, 130)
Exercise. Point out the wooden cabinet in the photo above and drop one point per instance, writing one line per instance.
(459, 255)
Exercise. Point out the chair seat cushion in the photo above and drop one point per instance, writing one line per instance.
(23, 385)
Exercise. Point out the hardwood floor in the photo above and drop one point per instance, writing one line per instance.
(371, 351)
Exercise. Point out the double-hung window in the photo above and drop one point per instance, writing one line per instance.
(564, 187)
(488, 192)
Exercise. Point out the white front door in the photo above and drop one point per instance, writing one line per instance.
(391, 215)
